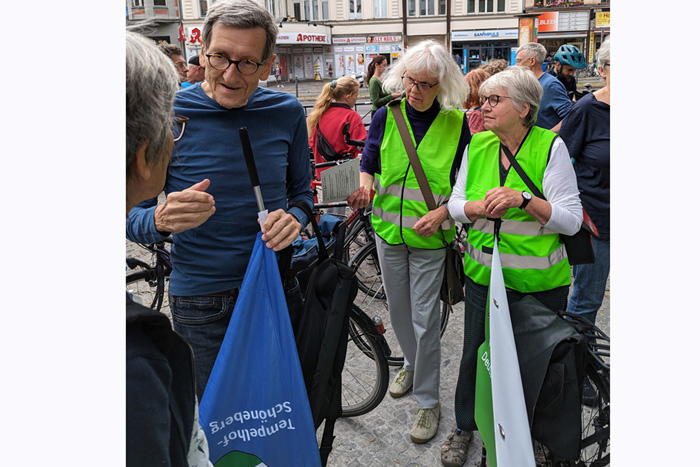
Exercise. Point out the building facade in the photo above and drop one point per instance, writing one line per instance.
(158, 19)
(324, 39)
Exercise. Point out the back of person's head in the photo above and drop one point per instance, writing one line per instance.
(242, 14)
(169, 49)
(533, 49)
(494, 66)
(151, 82)
(333, 91)
(377, 60)
(474, 79)
(194, 60)
(604, 53)
(433, 58)
(522, 87)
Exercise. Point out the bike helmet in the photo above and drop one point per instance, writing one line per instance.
(570, 55)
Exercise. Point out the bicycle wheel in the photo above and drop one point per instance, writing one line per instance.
(365, 375)
(371, 298)
(145, 288)
(595, 419)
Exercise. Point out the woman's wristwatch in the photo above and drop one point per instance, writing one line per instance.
(526, 199)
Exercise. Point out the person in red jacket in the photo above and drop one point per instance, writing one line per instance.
(333, 109)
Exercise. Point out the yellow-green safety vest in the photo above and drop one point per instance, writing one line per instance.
(532, 256)
(398, 201)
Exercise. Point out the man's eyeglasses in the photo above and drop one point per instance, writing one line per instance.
(178, 126)
(221, 63)
(422, 87)
(492, 99)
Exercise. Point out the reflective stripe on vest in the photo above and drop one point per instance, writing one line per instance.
(532, 256)
(398, 202)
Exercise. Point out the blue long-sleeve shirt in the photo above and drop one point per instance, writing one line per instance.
(555, 103)
(213, 257)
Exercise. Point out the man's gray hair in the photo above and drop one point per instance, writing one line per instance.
(533, 49)
(151, 83)
(604, 53)
(430, 57)
(243, 14)
(522, 87)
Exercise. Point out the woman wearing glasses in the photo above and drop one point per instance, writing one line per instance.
(410, 243)
(490, 194)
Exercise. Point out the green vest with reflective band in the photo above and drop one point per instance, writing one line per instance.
(532, 256)
(398, 201)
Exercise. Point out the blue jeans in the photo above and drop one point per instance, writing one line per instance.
(203, 321)
(590, 281)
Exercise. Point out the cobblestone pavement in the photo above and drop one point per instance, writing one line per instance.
(381, 437)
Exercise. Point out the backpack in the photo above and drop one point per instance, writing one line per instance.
(321, 333)
(325, 148)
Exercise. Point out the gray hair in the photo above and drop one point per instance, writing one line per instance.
(243, 14)
(604, 53)
(430, 57)
(151, 83)
(533, 49)
(522, 86)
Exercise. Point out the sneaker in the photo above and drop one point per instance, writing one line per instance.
(402, 383)
(426, 425)
(588, 395)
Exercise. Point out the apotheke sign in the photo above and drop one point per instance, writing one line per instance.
(486, 34)
(301, 38)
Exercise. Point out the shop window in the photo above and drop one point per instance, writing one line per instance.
(380, 9)
(427, 8)
(355, 9)
(271, 7)
(486, 6)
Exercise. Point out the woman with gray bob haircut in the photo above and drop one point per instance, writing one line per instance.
(522, 86)
(162, 426)
(151, 83)
(498, 204)
(410, 236)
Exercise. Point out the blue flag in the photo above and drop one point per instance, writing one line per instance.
(255, 410)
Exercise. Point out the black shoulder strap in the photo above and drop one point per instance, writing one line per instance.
(518, 168)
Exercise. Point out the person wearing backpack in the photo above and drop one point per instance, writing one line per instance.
(333, 109)
(410, 237)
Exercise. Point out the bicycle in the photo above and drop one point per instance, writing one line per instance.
(146, 281)
(595, 419)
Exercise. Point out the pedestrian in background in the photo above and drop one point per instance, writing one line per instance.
(494, 201)
(175, 54)
(586, 132)
(278, 75)
(195, 72)
(410, 238)
(332, 110)
(474, 79)
(162, 425)
(377, 94)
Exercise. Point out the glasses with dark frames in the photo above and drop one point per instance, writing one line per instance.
(221, 63)
(422, 87)
(492, 99)
(178, 125)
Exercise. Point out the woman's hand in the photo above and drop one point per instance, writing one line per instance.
(396, 95)
(430, 223)
(498, 200)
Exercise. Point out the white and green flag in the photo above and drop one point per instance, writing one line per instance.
(500, 411)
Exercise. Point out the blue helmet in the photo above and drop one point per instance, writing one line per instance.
(570, 55)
